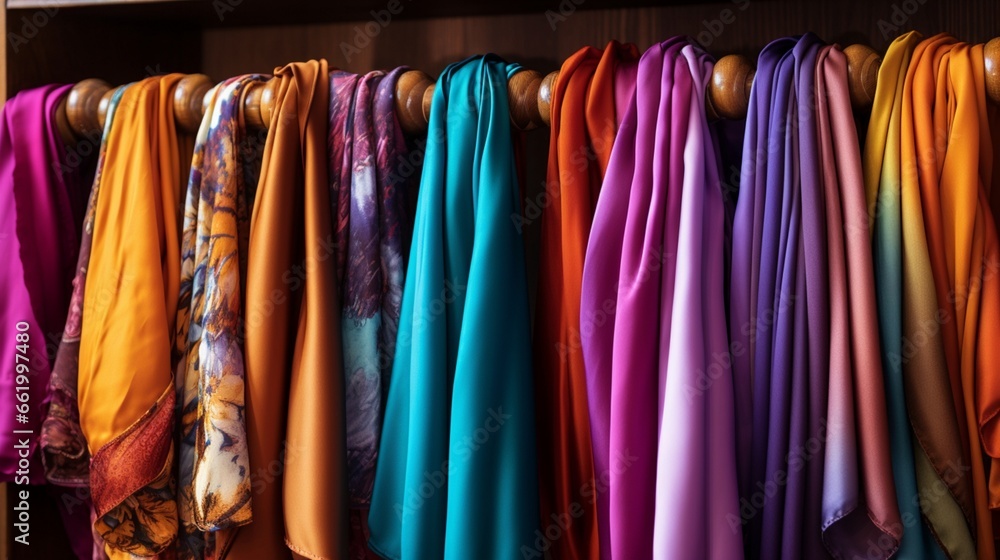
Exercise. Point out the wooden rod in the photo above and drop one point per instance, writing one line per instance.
(530, 94)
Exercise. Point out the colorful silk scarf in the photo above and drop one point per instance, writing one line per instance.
(126, 392)
(859, 507)
(882, 194)
(653, 324)
(64, 448)
(917, 376)
(583, 126)
(369, 191)
(43, 196)
(814, 468)
(456, 476)
(214, 482)
(43, 210)
(946, 136)
(292, 360)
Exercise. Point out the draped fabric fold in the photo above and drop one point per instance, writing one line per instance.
(292, 359)
(43, 194)
(946, 138)
(64, 448)
(883, 210)
(859, 505)
(653, 324)
(214, 483)
(917, 377)
(456, 476)
(125, 385)
(583, 126)
(814, 467)
(369, 193)
(43, 207)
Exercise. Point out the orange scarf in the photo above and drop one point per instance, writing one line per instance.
(583, 127)
(294, 378)
(126, 387)
(947, 140)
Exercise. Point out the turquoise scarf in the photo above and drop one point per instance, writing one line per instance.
(456, 474)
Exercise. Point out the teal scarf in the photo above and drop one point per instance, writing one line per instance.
(456, 472)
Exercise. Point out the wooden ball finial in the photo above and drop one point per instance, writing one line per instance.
(102, 106)
(862, 74)
(189, 98)
(411, 90)
(83, 104)
(729, 90)
(545, 97)
(992, 63)
(62, 123)
(522, 92)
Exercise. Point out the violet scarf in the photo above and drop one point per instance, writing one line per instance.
(812, 481)
(369, 190)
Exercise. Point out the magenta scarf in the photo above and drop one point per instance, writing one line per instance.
(653, 324)
(42, 198)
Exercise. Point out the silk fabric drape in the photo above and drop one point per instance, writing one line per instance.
(369, 193)
(43, 205)
(655, 257)
(583, 126)
(292, 358)
(43, 193)
(125, 382)
(214, 482)
(456, 476)
(911, 331)
(814, 466)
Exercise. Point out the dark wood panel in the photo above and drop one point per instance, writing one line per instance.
(227, 13)
(541, 41)
(59, 46)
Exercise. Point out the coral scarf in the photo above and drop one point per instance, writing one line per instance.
(583, 126)
(456, 476)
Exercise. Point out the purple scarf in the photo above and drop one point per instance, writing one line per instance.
(799, 304)
(367, 150)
